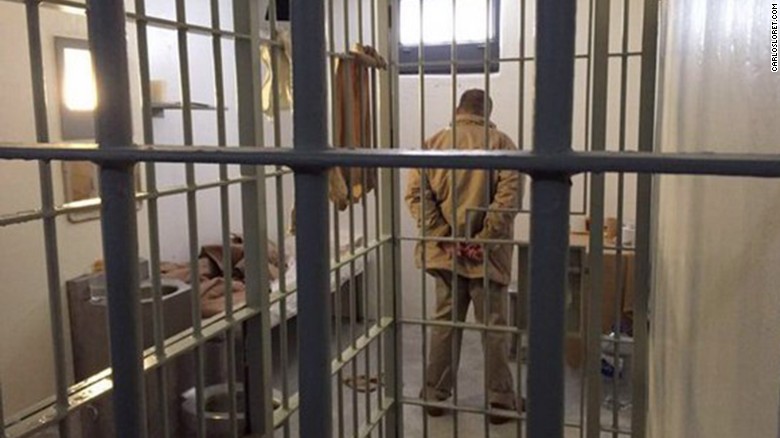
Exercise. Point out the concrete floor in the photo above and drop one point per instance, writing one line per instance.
(346, 419)
(471, 393)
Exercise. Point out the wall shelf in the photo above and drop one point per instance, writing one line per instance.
(158, 109)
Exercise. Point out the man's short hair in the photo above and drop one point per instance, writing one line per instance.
(475, 101)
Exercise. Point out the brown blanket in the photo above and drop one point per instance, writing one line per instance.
(211, 274)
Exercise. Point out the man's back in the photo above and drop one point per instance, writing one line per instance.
(476, 192)
(474, 189)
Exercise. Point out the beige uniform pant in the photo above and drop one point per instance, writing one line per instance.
(441, 370)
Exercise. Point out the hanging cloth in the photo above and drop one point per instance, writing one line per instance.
(352, 114)
(283, 71)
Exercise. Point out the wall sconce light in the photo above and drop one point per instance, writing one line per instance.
(77, 91)
(78, 81)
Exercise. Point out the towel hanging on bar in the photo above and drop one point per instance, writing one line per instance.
(352, 97)
(283, 78)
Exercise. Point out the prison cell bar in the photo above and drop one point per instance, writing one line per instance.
(520, 307)
(114, 130)
(390, 223)
(375, 143)
(192, 213)
(47, 206)
(153, 218)
(348, 126)
(617, 316)
(224, 199)
(647, 116)
(424, 186)
(486, 293)
(310, 133)
(550, 218)
(148, 195)
(596, 258)
(336, 224)
(280, 227)
(715, 164)
(259, 414)
(457, 336)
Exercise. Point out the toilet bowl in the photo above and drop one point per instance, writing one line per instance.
(217, 406)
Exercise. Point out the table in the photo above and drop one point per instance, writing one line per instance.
(618, 282)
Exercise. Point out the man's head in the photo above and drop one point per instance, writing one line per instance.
(475, 102)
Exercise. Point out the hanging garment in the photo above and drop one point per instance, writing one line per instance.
(283, 73)
(352, 113)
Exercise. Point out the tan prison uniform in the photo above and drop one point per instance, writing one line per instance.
(483, 203)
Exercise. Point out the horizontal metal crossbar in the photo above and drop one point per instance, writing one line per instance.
(755, 165)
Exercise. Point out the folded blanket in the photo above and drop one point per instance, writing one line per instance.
(211, 274)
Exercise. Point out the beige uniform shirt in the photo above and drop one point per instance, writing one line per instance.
(480, 200)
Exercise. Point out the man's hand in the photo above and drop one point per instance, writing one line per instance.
(471, 251)
(450, 249)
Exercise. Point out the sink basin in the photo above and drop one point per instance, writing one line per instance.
(169, 289)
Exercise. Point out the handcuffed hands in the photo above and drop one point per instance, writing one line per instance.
(468, 251)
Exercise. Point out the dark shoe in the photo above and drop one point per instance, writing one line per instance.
(498, 420)
(434, 411)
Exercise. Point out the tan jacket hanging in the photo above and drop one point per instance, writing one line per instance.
(283, 74)
(352, 114)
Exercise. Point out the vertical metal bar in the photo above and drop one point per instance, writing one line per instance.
(600, 51)
(352, 293)
(486, 248)
(520, 307)
(456, 338)
(280, 209)
(49, 221)
(389, 222)
(192, 213)
(521, 85)
(520, 316)
(224, 200)
(620, 213)
(106, 21)
(257, 331)
(377, 190)
(587, 181)
(550, 217)
(360, 21)
(643, 215)
(337, 312)
(310, 134)
(423, 201)
(153, 218)
(365, 140)
(339, 308)
(348, 129)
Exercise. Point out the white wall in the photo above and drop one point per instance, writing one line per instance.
(714, 329)
(26, 360)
